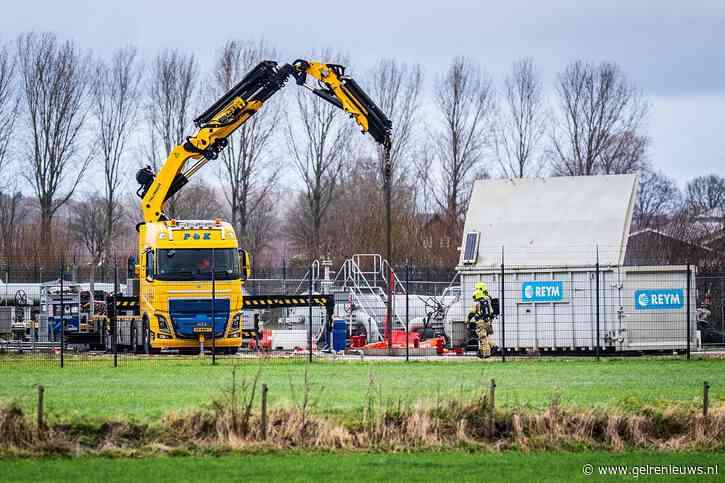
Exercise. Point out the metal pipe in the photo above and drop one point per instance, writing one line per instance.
(596, 289)
(62, 316)
(213, 307)
(687, 307)
(407, 310)
(114, 320)
(309, 324)
(387, 174)
(195, 167)
(502, 308)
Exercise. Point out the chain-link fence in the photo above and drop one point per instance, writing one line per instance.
(587, 310)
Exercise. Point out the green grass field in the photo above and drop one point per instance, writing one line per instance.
(145, 390)
(410, 467)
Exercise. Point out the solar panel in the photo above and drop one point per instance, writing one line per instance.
(470, 251)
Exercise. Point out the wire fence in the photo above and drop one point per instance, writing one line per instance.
(590, 310)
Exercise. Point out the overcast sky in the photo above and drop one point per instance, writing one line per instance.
(674, 51)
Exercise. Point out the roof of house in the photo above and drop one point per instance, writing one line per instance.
(551, 222)
(669, 236)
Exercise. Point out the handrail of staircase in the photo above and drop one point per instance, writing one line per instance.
(305, 279)
(397, 282)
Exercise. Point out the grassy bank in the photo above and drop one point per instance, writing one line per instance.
(413, 467)
(231, 423)
(146, 390)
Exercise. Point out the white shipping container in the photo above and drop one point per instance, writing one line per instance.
(640, 308)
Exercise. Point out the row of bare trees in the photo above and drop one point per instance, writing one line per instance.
(296, 179)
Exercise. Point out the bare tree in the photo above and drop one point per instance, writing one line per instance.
(55, 79)
(12, 212)
(115, 92)
(601, 118)
(318, 145)
(424, 180)
(522, 122)
(248, 171)
(88, 225)
(9, 103)
(705, 193)
(658, 200)
(262, 227)
(171, 88)
(395, 87)
(464, 99)
(200, 202)
(625, 152)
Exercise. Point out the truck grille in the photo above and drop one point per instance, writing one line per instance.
(192, 317)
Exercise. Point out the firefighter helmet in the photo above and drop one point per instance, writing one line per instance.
(480, 291)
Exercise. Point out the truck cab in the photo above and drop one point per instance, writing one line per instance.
(190, 284)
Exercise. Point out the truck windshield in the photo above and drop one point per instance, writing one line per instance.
(196, 264)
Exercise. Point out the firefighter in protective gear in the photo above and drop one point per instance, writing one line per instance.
(482, 314)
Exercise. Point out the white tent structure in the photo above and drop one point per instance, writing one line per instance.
(550, 221)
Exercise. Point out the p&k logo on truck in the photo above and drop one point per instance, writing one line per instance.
(659, 299)
(542, 291)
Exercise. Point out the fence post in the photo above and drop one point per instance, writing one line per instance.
(264, 411)
(722, 303)
(213, 307)
(705, 399)
(41, 419)
(257, 338)
(62, 315)
(114, 320)
(407, 310)
(492, 409)
(284, 280)
(687, 307)
(309, 324)
(596, 288)
(502, 309)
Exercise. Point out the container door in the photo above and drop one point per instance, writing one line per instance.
(654, 300)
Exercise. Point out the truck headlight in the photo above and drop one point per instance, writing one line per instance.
(236, 322)
(163, 325)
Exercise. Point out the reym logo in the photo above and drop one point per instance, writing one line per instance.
(197, 236)
(657, 299)
(542, 291)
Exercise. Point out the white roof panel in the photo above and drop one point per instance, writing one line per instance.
(551, 222)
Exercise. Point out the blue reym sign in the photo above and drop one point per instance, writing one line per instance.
(542, 291)
(659, 299)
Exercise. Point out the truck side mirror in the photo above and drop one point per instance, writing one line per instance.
(131, 267)
(149, 264)
(245, 264)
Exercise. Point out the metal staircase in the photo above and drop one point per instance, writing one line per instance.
(364, 279)
(360, 291)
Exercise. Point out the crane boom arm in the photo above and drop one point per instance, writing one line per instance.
(214, 126)
(239, 104)
(342, 91)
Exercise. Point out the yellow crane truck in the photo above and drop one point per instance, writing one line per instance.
(185, 287)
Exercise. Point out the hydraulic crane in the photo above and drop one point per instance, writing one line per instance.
(215, 125)
(237, 106)
(186, 286)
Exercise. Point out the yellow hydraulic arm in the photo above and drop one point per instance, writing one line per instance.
(235, 107)
(342, 91)
(214, 126)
